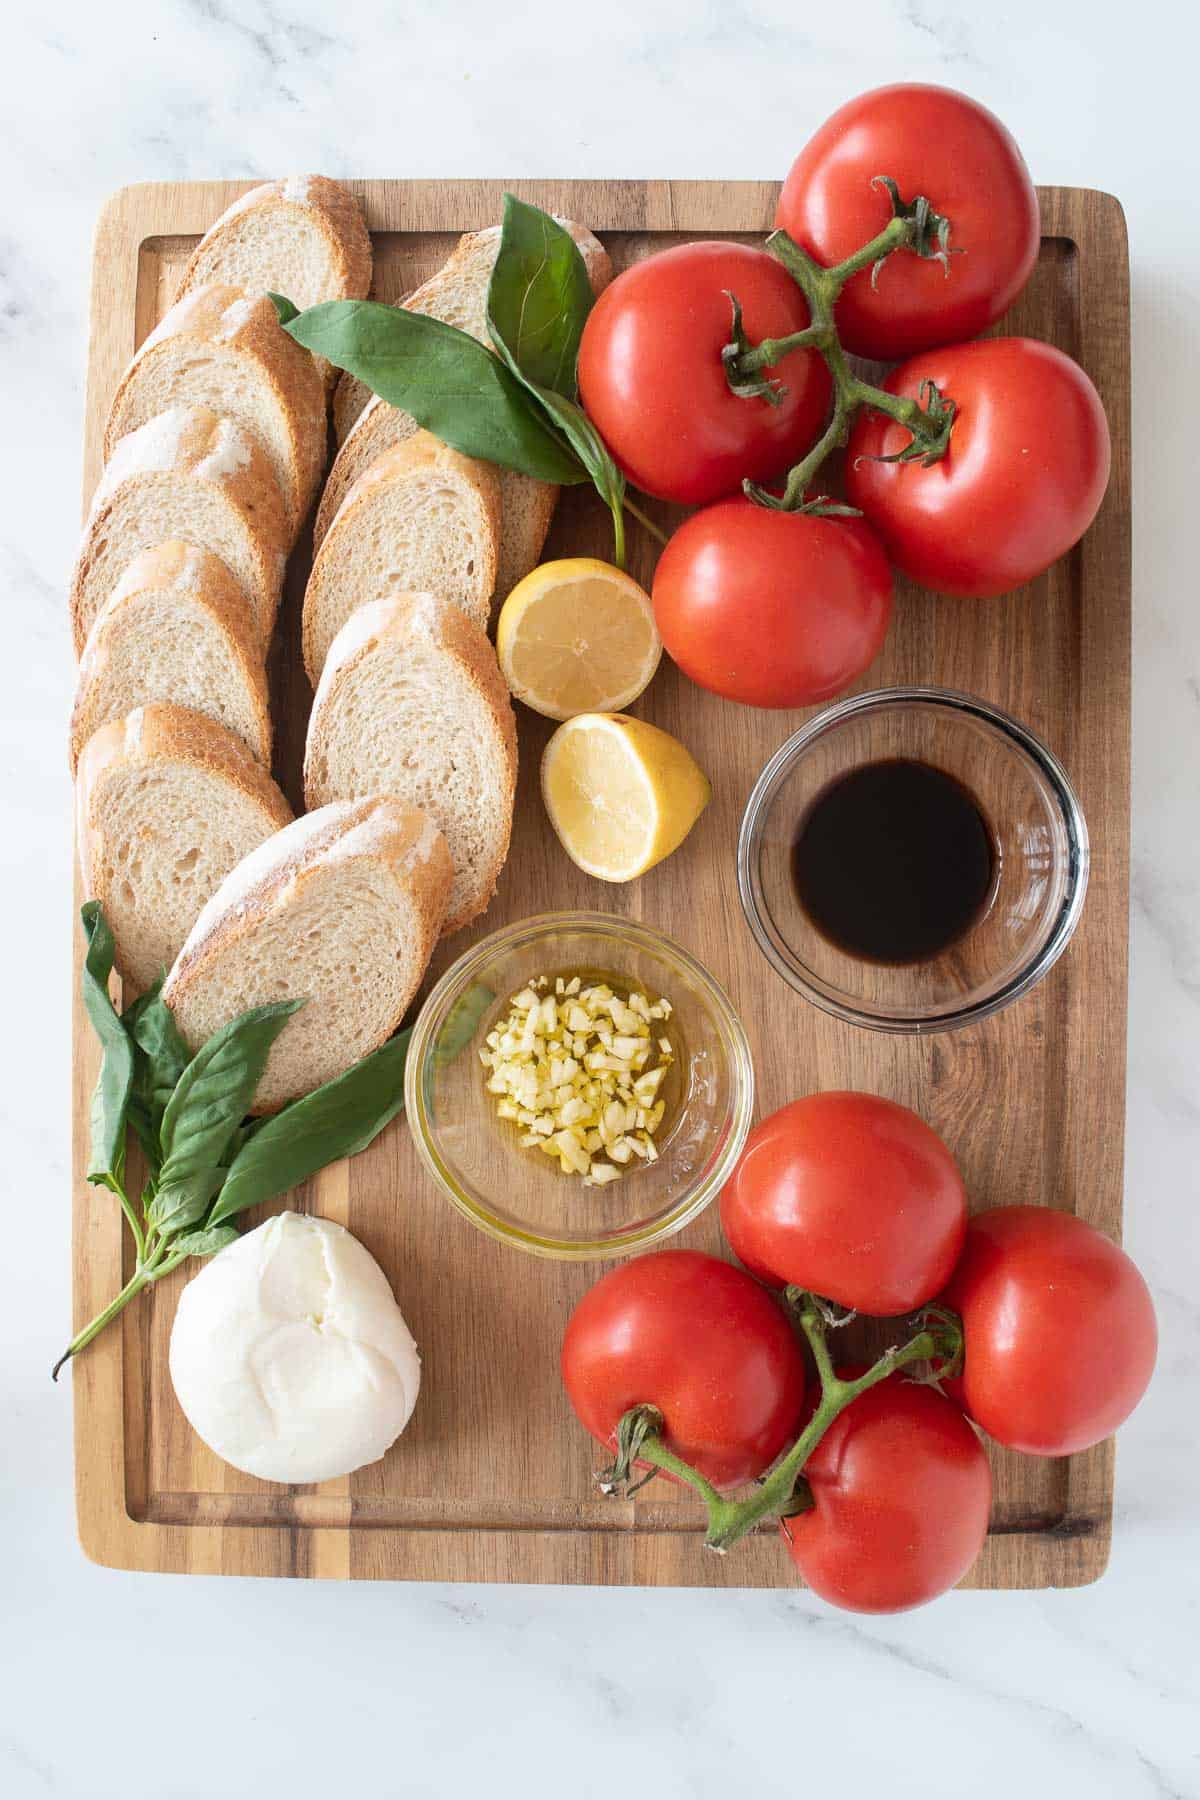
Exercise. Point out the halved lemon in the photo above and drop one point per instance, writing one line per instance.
(577, 636)
(621, 794)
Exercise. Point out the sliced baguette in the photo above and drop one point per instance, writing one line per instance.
(304, 237)
(221, 348)
(175, 628)
(190, 475)
(419, 518)
(166, 803)
(341, 909)
(412, 703)
(366, 425)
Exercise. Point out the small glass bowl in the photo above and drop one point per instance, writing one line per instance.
(1040, 843)
(520, 1196)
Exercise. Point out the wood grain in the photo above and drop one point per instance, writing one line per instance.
(493, 1480)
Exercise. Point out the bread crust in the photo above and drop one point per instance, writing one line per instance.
(397, 617)
(146, 735)
(217, 315)
(416, 455)
(336, 212)
(401, 837)
(210, 585)
(190, 442)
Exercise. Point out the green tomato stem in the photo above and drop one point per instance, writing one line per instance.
(784, 1492)
(913, 228)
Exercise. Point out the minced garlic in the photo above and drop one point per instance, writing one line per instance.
(579, 1070)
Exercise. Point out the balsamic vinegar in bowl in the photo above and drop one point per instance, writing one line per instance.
(894, 861)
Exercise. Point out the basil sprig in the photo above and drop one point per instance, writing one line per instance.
(518, 408)
(206, 1160)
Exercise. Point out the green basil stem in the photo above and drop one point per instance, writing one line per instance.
(644, 521)
(152, 1263)
(929, 426)
(783, 1492)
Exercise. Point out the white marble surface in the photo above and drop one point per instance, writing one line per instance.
(152, 1688)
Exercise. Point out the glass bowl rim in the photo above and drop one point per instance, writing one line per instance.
(951, 700)
(733, 1033)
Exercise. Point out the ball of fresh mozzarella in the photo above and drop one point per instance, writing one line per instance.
(290, 1356)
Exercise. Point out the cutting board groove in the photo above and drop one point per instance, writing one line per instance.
(492, 1481)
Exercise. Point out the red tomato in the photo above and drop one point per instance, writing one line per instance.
(652, 380)
(703, 1343)
(1059, 1330)
(770, 608)
(1021, 482)
(902, 1493)
(934, 142)
(850, 1196)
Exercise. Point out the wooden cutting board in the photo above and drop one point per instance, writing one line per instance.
(492, 1481)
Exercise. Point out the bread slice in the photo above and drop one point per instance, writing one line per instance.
(175, 628)
(166, 804)
(457, 295)
(342, 909)
(366, 425)
(221, 348)
(190, 475)
(412, 703)
(419, 518)
(304, 237)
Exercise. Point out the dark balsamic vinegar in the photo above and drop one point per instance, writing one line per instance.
(894, 861)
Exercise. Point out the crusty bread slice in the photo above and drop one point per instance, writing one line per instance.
(304, 237)
(166, 803)
(412, 703)
(221, 348)
(419, 518)
(190, 475)
(366, 425)
(175, 628)
(341, 909)
(457, 295)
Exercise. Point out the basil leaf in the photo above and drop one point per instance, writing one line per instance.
(178, 1204)
(538, 298)
(160, 1057)
(214, 1094)
(205, 1242)
(285, 311)
(110, 1101)
(449, 384)
(337, 1120)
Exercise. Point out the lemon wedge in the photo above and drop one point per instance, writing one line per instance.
(577, 636)
(621, 794)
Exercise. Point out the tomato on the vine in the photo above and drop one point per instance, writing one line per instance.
(1059, 1333)
(938, 144)
(850, 1196)
(652, 380)
(702, 1342)
(1022, 479)
(901, 1492)
(772, 608)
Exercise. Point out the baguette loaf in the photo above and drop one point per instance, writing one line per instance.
(366, 425)
(304, 237)
(185, 474)
(412, 703)
(419, 518)
(341, 909)
(166, 803)
(226, 350)
(175, 628)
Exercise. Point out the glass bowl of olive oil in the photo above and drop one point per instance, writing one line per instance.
(490, 1167)
(913, 860)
